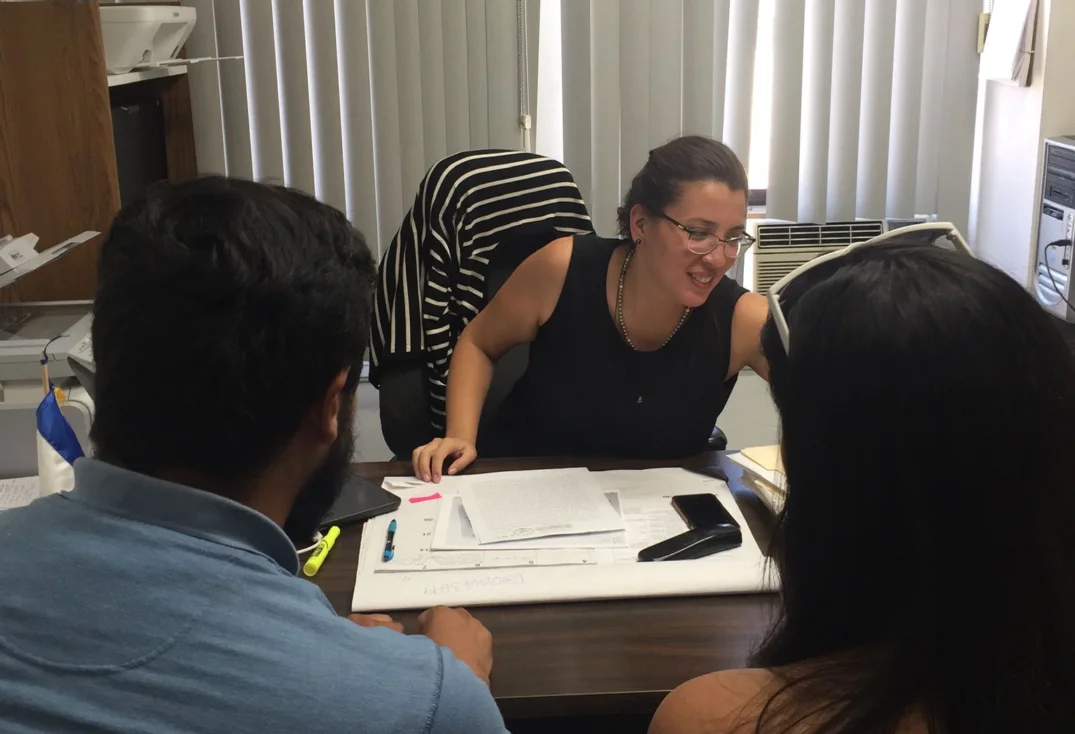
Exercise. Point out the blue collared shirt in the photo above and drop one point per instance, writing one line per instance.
(135, 605)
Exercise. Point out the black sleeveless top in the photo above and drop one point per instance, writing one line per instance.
(587, 393)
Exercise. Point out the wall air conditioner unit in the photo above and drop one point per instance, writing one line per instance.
(783, 246)
(892, 223)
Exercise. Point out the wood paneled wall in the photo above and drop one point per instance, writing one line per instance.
(57, 156)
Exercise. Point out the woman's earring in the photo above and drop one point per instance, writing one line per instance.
(638, 241)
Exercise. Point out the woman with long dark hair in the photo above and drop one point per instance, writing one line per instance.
(926, 550)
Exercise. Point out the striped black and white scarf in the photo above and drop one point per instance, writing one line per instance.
(431, 280)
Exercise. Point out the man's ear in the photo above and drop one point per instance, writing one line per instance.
(327, 413)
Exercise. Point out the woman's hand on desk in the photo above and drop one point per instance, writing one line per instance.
(429, 460)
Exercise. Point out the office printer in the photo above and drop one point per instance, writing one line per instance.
(29, 330)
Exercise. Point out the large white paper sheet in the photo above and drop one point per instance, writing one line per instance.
(646, 504)
(536, 504)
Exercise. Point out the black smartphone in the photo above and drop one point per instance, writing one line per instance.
(703, 511)
(692, 544)
(359, 500)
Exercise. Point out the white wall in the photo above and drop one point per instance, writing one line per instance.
(1011, 131)
(549, 116)
(1014, 122)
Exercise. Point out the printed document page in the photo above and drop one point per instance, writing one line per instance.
(18, 492)
(519, 505)
(766, 456)
(1010, 42)
(771, 489)
(453, 531)
(413, 540)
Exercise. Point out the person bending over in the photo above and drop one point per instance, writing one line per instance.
(635, 342)
(925, 550)
(160, 593)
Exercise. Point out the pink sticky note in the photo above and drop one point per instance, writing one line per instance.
(416, 500)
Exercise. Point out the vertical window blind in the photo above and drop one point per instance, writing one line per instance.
(853, 108)
(872, 101)
(353, 100)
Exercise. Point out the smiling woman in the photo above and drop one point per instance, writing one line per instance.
(635, 342)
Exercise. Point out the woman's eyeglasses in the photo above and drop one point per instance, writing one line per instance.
(701, 242)
(941, 234)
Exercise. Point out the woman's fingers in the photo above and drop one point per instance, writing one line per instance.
(447, 447)
(465, 458)
(428, 461)
(414, 462)
(422, 458)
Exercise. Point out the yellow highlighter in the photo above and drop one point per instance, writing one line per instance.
(313, 563)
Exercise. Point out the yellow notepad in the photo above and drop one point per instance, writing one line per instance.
(768, 457)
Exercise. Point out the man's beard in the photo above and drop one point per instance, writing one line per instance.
(323, 487)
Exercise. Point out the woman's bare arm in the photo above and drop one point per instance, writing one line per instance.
(727, 702)
(751, 311)
(519, 309)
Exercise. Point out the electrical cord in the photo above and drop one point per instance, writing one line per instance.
(521, 60)
(317, 540)
(45, 351)
(1049, 270)
(525, 122)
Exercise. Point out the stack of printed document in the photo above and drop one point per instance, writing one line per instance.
(767, 466)
(550, 517)
(560, 505)
(1009, 44)
(559, 548)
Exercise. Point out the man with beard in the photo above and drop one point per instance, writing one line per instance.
(159, 595)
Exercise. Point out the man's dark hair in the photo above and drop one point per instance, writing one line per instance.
(224, 311)
(679, 161)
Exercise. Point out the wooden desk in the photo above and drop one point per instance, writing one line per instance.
(595, 658)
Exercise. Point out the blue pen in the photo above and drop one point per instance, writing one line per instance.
(389, 546)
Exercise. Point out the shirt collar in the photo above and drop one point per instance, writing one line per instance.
(184, 509)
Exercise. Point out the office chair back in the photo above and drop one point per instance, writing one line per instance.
(476, 217)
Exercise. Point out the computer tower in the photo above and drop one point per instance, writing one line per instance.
(1056, 228)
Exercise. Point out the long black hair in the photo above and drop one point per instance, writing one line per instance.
(926, 549)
